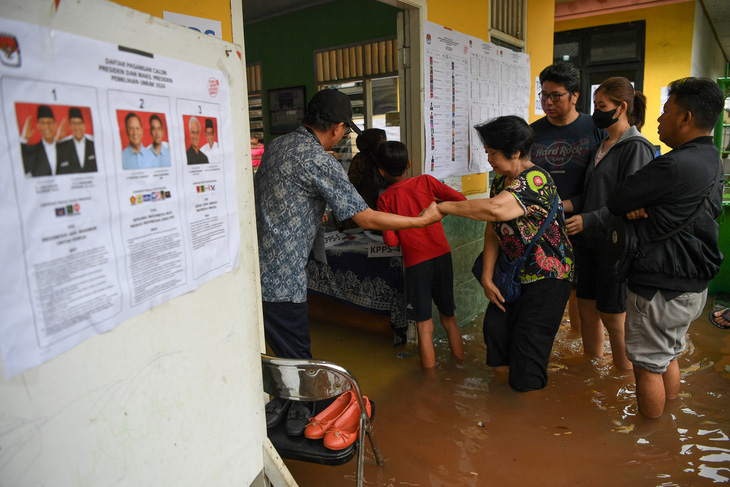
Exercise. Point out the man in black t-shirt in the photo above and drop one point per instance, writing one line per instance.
(564, 141)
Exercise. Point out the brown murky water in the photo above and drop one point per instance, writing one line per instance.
(463, 426)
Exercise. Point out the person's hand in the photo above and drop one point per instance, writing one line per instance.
(637, 214)
(431, 214)
(567, 206)
(574, 224)
(62, 129)
(491, 291)
(28, 128)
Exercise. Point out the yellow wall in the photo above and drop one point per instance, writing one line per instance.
(469, 17)
(211, 9)
(668, 51)
(539, 43)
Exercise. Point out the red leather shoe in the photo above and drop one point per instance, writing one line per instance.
(319, 424)
(347, 427)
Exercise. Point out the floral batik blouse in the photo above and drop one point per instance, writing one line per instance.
(552, 257)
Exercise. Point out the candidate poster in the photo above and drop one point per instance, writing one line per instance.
(118, 189)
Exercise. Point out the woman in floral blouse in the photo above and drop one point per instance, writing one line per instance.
(519, 335)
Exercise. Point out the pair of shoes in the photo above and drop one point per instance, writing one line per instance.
(276, 410)
(318, 425)
(346, 428)
(298, 418)
(724, 314)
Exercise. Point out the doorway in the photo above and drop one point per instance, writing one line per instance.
(602, 52)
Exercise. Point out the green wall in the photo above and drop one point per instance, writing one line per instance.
(466, 238)
(285, 45)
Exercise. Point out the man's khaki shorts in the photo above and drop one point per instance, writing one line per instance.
(655, 328)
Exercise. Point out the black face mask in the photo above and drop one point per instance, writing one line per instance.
(604, 120)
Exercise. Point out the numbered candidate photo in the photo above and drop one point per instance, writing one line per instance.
(55, 139)
(144, 139)
(193, 126)
(210, 146)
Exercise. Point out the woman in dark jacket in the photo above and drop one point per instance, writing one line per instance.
(601, 301)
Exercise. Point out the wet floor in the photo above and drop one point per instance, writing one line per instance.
(463, 426)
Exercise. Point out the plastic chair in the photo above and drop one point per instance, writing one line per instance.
(315, 380)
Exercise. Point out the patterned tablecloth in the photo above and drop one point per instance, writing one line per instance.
(375, 284)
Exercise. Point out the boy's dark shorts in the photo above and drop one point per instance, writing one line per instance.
(430, 279)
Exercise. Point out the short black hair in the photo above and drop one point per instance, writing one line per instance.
(370, 139)
(130, 116)
(702, 97)
(313, 118)
(509, 135)
(392, 157)
(562, 73)
(154, 117)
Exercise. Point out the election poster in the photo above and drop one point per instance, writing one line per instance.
(467, 81)
(118, 189)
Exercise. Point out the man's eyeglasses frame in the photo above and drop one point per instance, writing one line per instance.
(554, 97)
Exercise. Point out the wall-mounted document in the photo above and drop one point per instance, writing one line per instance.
(467, 81)
(118, 187)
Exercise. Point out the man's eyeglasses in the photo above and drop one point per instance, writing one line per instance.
(554, 97)
(348, 130)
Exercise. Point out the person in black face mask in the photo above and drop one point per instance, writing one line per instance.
(601, 302)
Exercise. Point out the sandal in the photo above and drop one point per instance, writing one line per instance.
(725, 315)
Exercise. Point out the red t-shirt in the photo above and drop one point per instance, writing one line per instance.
(408, 198)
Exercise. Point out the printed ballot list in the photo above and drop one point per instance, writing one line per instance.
(118, 192)
(467, 81)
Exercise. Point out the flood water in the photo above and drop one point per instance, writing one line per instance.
(462, 425)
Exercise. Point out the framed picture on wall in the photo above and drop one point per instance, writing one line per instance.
(286, 109)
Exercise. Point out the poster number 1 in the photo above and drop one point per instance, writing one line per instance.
(53, 91)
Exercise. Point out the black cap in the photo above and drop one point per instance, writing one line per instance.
(208, 123)
(333, 106)
(74, 112)
(44, 111)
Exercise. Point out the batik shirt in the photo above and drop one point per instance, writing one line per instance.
(552, 256)
(296, 180)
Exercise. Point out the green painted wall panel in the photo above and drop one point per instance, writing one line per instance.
(285, 45)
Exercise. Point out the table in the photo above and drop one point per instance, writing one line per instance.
(376, 285)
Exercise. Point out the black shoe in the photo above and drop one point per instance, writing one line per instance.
(298, 418)
(276, 411)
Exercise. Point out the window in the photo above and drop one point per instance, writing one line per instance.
(255, 109)
(602, 52)
(507, 21)
(368, 74)
(376, 58)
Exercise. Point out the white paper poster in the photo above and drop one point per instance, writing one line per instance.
(467, 81)
(118, 192)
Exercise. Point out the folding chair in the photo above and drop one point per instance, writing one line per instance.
(315, 380)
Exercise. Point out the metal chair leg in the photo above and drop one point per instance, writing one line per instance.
(361, 449)
(371, 437)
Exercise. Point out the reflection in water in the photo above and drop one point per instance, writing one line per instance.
(462, 425)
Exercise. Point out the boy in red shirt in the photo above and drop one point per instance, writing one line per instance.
(426, 252)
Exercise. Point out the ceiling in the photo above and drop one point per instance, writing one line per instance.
(718, 12)
(255, 10)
